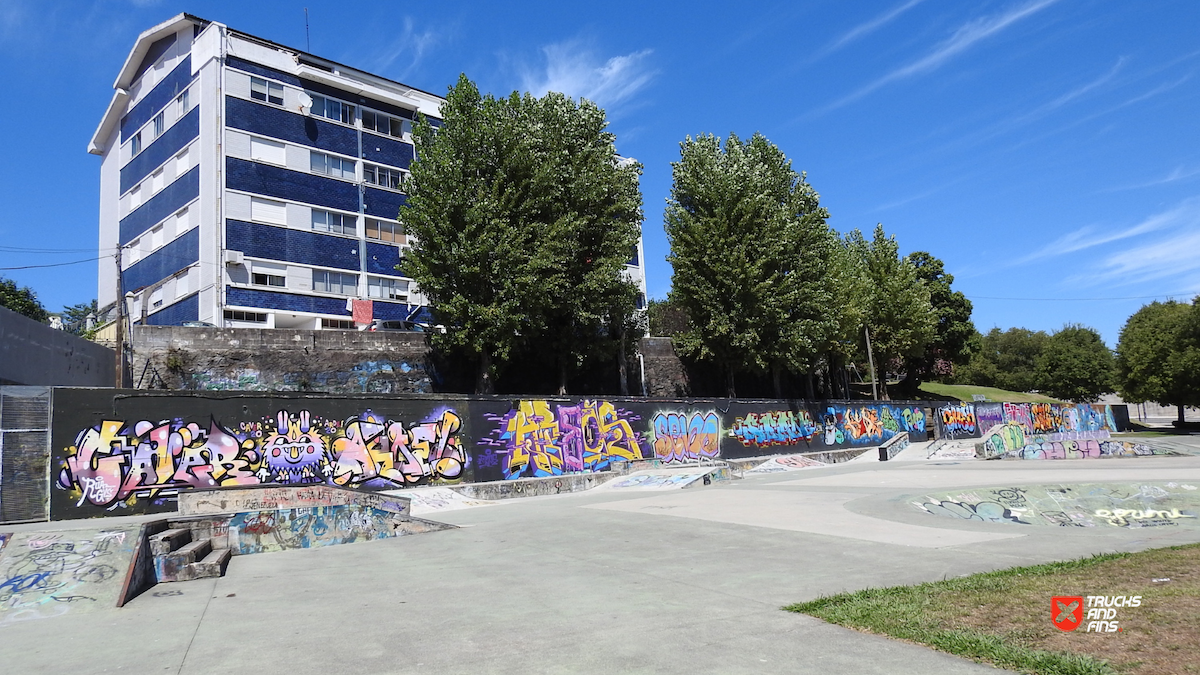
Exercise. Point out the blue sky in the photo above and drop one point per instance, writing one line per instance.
(1047, 150)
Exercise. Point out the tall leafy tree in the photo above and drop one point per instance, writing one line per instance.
(1075, 365)
(522, 219)
(1006, 359)
(1158, 355)
(898, 313)
(75, 316)
(666, 318)
(21, 300)
(750, 251)
(953, 341)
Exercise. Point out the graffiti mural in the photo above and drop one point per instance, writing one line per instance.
(120, 463)
(1090, 505)
(774, 427)
(858, 425)
(533, 440)
(683, 436)
(267, 531)
(1011, 440)
(958, 421)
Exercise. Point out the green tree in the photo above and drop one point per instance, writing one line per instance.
(750, 251)
(1075, 365)
(953, 341)
(75, 316)
(522, 220)
(898, 313)
(21, 300)
(1006, 359)
(1158, 355)
(666, 318)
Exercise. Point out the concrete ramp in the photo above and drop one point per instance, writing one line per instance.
(668, 479)
(434, 500)
(785, 463)
(48, 574)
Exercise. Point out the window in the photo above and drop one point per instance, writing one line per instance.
(329, 165)
(156, 181)
(262, 150)
(633, 260)
(337, 223)
(335, 282)
(383, 176)
(385, 230)
(239, 315)
(334, 110)
(267, 211)
(184, 100)
(159, 124)
(387, 289)
(261, 279)
(337, 323)
(262, 90)
(135, 145)
(384, 124)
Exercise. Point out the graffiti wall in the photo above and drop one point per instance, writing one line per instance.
(1102, 505)
(1012, 440)
(1087, 421)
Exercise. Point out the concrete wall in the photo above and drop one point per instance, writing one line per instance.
(261, 359)
(35, 354)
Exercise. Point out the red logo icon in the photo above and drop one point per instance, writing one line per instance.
(1066, 611)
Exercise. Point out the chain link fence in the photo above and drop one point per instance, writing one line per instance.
(24, 453)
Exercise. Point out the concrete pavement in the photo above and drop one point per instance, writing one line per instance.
(599, 582)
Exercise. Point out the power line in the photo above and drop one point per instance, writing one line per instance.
(30, 267)
(1130, 297)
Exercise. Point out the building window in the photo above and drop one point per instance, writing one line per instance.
(385, 124)
(335, 282)
(337, 223)
(383, 177)
(387, 289)
(337, 323)
(329, 165)
(262, 150)
(268, 211)
(334, 110)
(159, 123)
(262, 90)
(135, 145)
(385, 230)
(262, 279)
(239, 315)
(184, 100)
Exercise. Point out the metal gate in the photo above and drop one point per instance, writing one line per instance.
(24, 453)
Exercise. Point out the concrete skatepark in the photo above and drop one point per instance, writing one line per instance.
(642, 578)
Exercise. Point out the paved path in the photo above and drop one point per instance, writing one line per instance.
(684, 581)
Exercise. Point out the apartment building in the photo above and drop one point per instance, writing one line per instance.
(248, 184)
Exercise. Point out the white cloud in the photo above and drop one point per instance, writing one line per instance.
(405, 52)
(963, 39)
(866, 28)
(576, 71)
(1177, 174)
(1186, 214)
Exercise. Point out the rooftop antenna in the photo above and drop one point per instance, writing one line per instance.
(307, 39)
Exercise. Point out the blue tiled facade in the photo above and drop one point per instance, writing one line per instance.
(383, 150)
(176, 81)
(294, 246)
(288, 126)
(163, 148)
(317, 87)
(288, 302)
(172, 198)
(382, 258)
(164, 262)
(187, 309)
(288, 185)
(383, 203)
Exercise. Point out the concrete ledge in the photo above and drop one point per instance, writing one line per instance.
(826, 456)
(534, 487)
(892, 447)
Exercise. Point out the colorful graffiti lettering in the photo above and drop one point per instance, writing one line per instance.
(762, 430)
(870, 424)
(582, 437)
(117, 463)
(958, 421)
(991, 512)
(1045, 417)
(680, 437)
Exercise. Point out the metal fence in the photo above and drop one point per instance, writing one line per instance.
(24, 453)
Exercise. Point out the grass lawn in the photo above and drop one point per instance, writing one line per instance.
(965, 392)
(1003, 617)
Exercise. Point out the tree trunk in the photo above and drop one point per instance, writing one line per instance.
(1180, 422)
(729, 392)
(623, 366)
(776, 380)
(484, 384)
(562, 377)
(809, 391)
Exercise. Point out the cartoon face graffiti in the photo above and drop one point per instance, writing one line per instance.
(295, 453)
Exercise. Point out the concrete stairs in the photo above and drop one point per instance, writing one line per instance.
(178, 558)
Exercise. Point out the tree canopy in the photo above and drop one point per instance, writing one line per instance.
(21, 300)
(1006, 359)
(750, 252)
(954, 337)
(523, 218)
(1075, 365)
(1158, 355)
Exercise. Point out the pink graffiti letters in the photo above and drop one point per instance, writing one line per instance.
(537, 441)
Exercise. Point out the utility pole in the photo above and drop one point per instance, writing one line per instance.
(120, 323)
(871, 360)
